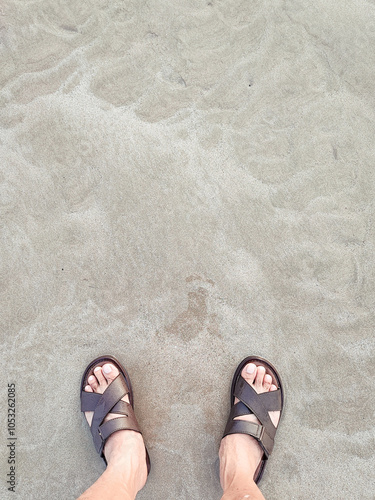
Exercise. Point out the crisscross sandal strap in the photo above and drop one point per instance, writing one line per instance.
(242, 426)
(109, 402)
(116, 390)
(90, 400)
(127, 422)
(257, 405)
(252, 403)
(272, 400)
(258, 431)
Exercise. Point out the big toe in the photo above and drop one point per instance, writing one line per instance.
(257, 377)
(249, 372)
(110, 372)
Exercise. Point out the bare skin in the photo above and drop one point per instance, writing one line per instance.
(240, 454)
(126, 472)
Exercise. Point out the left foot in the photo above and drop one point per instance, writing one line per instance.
(124, 449)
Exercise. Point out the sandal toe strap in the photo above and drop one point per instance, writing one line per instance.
(259, 404)
(90, 400)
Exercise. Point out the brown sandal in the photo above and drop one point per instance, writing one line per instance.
(250, 402)
(109, 402)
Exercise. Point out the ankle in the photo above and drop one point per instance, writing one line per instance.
(126, 458)
(127, 476)
(236, 480)
(240, 456)
(245, 490)
(122, 444)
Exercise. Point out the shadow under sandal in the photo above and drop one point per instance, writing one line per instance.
(250, 402)
(109, 402)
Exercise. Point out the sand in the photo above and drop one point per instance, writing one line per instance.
(183, 184)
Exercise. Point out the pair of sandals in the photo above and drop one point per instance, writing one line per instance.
(250, 402)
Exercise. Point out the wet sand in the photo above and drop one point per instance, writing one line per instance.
(183, 184)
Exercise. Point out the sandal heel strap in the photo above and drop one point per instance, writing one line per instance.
(127, 422)
(244, 427)
(253, 429)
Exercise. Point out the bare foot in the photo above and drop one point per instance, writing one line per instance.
(124, 449)
(241, 454)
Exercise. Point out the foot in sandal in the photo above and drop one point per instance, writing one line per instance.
(249, 435)
(116, 433)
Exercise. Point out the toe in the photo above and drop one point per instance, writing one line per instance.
(273, 387)
(99, 375)
(88, 388)
(93, 383)
(267, 382)
(110, 372)
(261, 371)
(249, 372)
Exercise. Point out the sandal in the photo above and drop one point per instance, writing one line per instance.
(250, 402)
(109, 402)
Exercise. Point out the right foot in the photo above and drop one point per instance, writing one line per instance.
(240, 454)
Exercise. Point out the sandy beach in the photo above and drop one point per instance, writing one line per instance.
(183, 184)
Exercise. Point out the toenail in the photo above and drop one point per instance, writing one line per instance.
(107, 368)
(250, 368)
(91, 379)
(97, 369)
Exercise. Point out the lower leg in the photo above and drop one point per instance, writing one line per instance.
(126, 471)
(239, 458)
(108, 486)
(243, 490)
